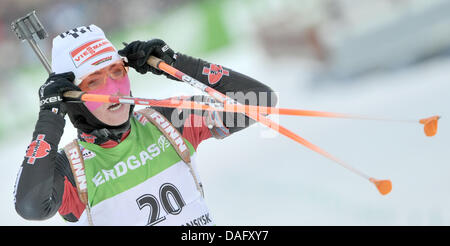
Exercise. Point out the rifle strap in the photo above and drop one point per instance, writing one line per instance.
(76, 161)
(174, 137)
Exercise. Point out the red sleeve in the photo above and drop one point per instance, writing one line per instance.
(71, 202)
(195, 130)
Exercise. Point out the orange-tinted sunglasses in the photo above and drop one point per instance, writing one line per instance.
(97, 79)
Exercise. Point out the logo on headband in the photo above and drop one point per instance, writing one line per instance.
(90, 50)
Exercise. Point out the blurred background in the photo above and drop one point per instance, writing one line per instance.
(385, 58)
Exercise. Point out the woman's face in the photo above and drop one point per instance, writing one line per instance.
(112, 114)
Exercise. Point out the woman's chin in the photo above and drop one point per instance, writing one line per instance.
(115, 115)
(116, 122)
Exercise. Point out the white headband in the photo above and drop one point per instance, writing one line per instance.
(82, 50)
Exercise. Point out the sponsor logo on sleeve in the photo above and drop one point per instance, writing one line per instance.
(39, 148)
(215, 73)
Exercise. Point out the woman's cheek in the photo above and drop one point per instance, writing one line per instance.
(123, 85)
(111, 88)
(93, 105)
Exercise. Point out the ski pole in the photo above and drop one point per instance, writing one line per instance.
(383, 186)
(430, 123)
(25, 28)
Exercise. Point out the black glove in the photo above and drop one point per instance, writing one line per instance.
(138, 52)
(51, 92)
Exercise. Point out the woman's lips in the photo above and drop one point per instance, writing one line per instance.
(115, 107)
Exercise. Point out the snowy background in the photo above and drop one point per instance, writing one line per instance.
(339, 56)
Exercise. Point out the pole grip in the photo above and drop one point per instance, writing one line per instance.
(25, 28)
(154, 62)
(73, 95)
